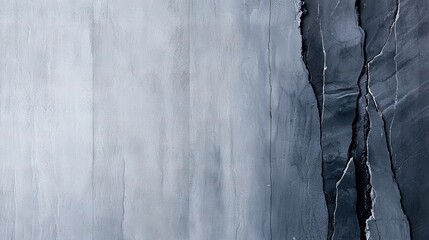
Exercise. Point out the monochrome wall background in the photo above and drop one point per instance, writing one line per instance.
(214, 119)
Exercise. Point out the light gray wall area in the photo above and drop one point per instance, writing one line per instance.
(45, 120)
(141, 120)
(229, 120)
(157, 120)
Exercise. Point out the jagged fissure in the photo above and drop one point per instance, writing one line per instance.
(359, 145)
(362, 172)
(304, 52)
(358, 148)
(319, 102)
(392, 30)
(364, 193)
(359, 152)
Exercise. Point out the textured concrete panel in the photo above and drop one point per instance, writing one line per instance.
(216, 119)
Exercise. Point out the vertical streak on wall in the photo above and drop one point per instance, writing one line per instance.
(229, 120)
(45, 123)
(141, 119)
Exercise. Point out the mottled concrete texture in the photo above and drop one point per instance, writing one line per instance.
(214, 119)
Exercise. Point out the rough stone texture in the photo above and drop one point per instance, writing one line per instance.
(346, 220)
(387, 220)
(217, 119)
(409, 133)
(338, 43)
(376, 18)
(399, 84)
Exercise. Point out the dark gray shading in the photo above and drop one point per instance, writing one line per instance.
(398, 82)
(312, 49)
(359, 152)
(337, 43)
(376, 18)
(346, 221)
(387, 219)
(410, 131)
(298, 208)
(382, 81)
(409, 120)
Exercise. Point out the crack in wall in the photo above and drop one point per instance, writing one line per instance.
(303, 14)
(271, 117)
(344, 172)
(391, 27)
(360, 129)
(320, 106)
(388, 133)
(369, 95)
(304, 54)
(396, 78)
(358, 148)
(324, 64)
(92, 39)
(304, 51)
(312, 50)
(369, 196)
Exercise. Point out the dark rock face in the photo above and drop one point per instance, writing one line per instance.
(387, 220)
(361, 96)
(334, 37)
(400, 88)
(346, 218)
